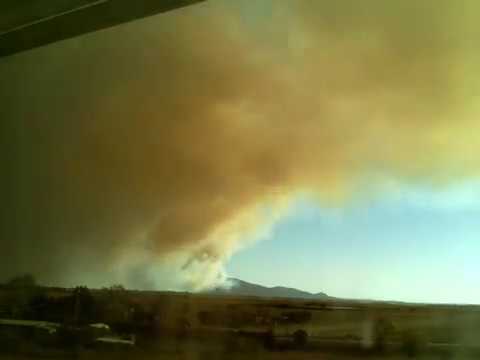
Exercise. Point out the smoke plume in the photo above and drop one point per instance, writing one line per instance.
(149, 153)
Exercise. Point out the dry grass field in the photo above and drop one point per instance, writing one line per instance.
(189, 326)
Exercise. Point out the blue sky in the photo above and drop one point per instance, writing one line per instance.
(229, 101)
(406, 242)
(414, 244)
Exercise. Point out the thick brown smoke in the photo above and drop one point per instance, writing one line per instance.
(177, 136)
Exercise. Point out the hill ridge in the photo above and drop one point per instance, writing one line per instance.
(238, 287)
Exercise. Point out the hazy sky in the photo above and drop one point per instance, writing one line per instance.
(330, 146)
(415, 245)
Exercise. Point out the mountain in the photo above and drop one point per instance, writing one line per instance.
(237, 287)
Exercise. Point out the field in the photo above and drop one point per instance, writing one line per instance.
(188, 326)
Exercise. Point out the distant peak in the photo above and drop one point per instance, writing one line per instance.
(238, 287)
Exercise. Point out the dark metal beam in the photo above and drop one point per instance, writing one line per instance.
(26, 24)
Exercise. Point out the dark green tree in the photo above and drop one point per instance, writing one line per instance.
(83, 306)
(22, 281)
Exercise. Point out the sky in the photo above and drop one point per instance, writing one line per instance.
(417, 245)
(329, 146)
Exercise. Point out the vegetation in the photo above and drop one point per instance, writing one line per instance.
(300, 338)
(179, 318)
(22, 281)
